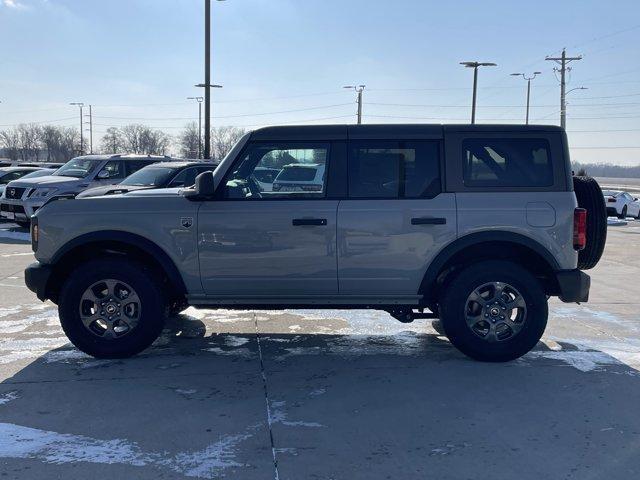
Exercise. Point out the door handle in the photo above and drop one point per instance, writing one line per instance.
(297, 222)
(428, 221)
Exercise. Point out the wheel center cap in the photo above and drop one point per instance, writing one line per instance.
(111, 309)
(494, 311)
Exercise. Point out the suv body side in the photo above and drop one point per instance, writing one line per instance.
(366, 251)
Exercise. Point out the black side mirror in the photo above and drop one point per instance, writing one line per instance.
(203, 188)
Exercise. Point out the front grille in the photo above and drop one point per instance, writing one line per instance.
(7, 207)
(14, 192)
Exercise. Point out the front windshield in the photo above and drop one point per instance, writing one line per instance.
(149, 177)
(78, 167)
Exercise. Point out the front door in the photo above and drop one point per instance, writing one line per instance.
(259, 241)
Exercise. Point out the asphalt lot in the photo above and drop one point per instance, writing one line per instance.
(326, 394)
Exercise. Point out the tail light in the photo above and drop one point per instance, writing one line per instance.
(579, 228)
(611, 200)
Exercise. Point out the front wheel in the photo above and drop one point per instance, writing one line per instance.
(494, 311)
(111, 308)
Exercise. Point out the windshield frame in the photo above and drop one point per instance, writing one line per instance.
(95, 164)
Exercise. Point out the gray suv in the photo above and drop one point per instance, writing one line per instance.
(473, 225)
(22, 198)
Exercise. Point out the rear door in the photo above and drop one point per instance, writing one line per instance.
(254, 242)
(396, 217)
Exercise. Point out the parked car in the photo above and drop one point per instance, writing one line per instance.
(23, 197)
(300, 177)
(476, 225)
(157, 175)
(8, 174)
(265, 177)
(41, 164)
(621, 204)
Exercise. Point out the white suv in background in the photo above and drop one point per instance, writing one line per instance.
(300, 177)
(22, 198)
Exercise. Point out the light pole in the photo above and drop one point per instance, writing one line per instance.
(207, 79)
(199, 100)
(79, 104)
(563, 116)
(528, 79)
(475, 66)
(358, 89)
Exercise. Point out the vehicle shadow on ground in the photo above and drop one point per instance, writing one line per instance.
(340, 406)
(11, 234)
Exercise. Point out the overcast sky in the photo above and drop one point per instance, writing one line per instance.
(285, 61)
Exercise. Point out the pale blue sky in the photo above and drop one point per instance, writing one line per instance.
(136, 61)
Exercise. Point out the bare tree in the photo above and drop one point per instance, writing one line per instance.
(10, 140)
(61, 143)
(223, 139)
(142, 139)
(112, 140)
(29, 140)
(189, 140)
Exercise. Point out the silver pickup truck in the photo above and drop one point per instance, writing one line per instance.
(473, 225)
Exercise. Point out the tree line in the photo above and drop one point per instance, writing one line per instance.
(34, 142)
(606, 170)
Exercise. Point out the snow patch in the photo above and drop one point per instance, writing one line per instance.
(7, 397)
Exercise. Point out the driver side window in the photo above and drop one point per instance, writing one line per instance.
(291, 170)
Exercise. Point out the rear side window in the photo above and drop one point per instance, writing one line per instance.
(298, 173)
(394, 169)
(510, 162)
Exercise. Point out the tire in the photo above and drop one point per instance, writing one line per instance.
(455, 303)
(147, 324)
(623, 215)
(589, 196)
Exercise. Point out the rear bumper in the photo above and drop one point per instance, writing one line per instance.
(36, 277)
(574, 285)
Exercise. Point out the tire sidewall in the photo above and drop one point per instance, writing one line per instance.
(152, 313)
(453, 307)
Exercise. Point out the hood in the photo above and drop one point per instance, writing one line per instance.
(110, 190)
(47, 181)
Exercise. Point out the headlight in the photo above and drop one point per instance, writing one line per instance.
(43, 192)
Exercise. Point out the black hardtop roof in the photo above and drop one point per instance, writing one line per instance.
(396, 130)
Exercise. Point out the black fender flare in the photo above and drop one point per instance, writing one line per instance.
(133, 240)
(466, 241)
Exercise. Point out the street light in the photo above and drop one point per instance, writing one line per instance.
(207, 79)
(563, 115)
(79, 104)
(475, 66)
(528, 79)
(358, 89)
(199, 100)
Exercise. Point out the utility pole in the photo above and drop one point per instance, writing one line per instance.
(79, 104)
(207, 79)
(199, 100)
(358, 89)
(563, 61)
(528, 79)
(475, 66)
(90, 130)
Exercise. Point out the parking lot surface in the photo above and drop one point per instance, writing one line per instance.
(323, 394)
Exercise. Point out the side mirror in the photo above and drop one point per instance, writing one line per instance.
(103, 174)
(204, 187)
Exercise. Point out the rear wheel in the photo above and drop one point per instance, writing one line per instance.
(494, 311)
(111, 308)
(623, 215)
